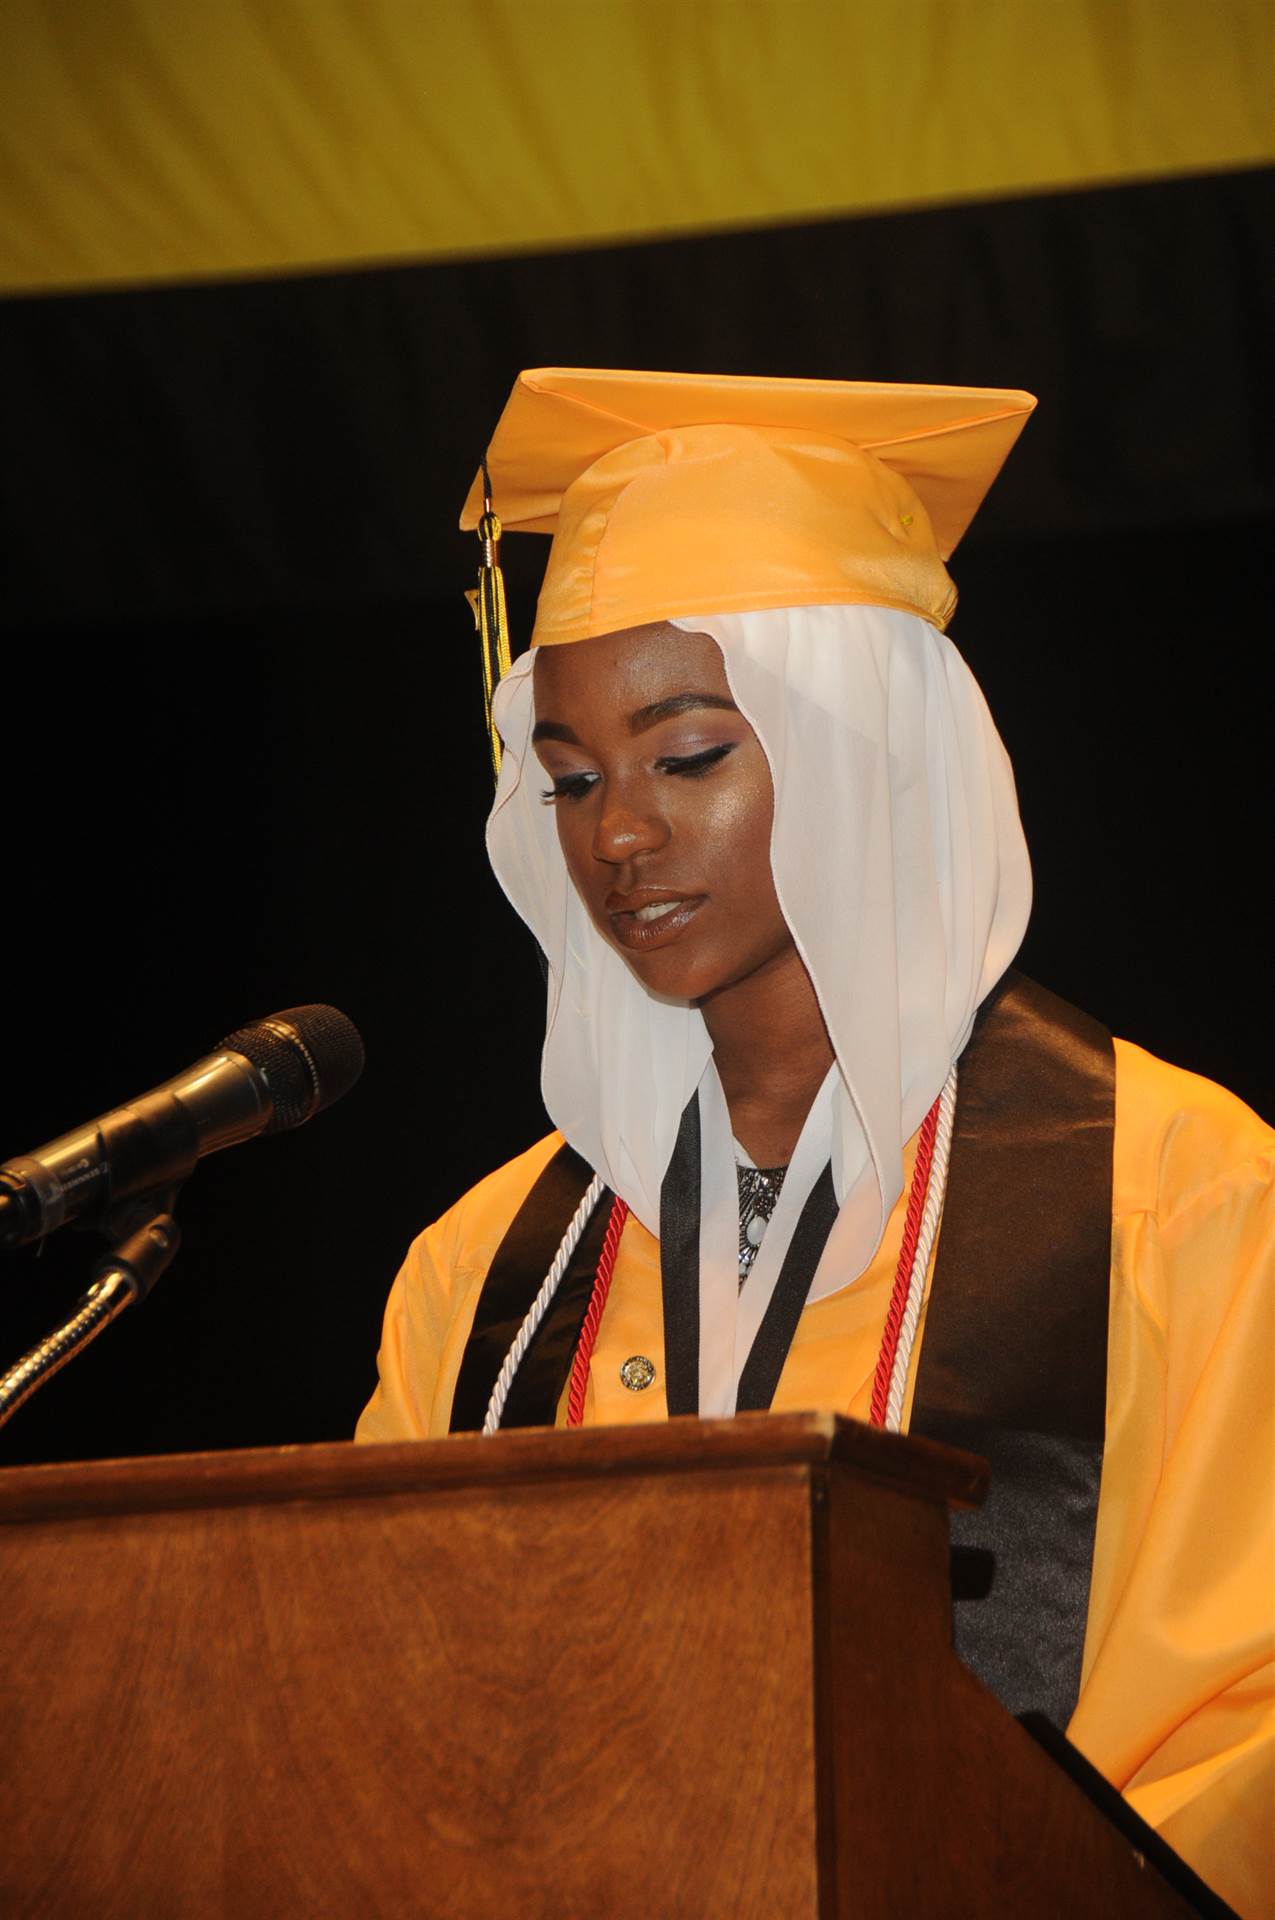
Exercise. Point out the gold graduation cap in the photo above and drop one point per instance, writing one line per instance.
(674, 494)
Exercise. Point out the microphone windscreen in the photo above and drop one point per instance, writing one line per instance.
(308, 1057)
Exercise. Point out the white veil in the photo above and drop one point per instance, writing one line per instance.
(901, 868)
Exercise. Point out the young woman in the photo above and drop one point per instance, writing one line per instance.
(816, 1146)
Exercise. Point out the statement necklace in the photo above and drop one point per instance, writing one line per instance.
(758, 1192)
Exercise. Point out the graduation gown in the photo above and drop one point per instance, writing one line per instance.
(1178, 1678)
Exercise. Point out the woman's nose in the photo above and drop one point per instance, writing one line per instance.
(623, 832)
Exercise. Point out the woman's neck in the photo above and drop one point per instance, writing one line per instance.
(772, 1054)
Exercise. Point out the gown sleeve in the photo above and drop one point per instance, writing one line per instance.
(407, 1365)
(1176, 1706)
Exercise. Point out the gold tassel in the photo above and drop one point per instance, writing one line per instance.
(490, 617)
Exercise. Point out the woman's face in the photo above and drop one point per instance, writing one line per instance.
(663, 801)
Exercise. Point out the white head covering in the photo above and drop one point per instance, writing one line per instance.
(901, 868)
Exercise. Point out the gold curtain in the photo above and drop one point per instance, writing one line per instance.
(150, 140)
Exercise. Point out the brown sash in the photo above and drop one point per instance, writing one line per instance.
(1014, 1356)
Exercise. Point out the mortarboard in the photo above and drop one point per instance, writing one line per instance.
(672, 494)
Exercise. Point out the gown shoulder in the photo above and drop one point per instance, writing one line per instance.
(431, 1306)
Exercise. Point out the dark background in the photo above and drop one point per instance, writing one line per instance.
(243, 760)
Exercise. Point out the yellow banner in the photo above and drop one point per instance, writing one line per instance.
(165, 139)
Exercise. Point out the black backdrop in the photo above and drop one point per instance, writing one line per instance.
(243, 765)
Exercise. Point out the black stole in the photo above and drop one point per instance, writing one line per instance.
(1014, 1355)
(521, 1262)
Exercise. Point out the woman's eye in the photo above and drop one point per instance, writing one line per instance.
(568, 786)
(574, 786)
(693, 763)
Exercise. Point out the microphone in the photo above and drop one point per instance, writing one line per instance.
(264, 1078)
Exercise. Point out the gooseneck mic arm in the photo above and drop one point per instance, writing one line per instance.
(125, 1274)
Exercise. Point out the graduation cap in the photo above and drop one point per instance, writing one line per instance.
(675, 494)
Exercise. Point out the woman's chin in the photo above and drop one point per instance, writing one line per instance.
(670, 975)
(694, 974)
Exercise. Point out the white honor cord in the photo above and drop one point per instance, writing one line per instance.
(540, 1305)
(935, 1189)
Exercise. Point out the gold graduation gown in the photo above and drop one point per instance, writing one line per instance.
(1177, 1699)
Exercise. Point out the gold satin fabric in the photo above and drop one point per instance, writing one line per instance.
(1176, 1704)
(158, 139)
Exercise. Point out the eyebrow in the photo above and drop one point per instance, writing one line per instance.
(643, 718)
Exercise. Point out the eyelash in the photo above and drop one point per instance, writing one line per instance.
(690, 766)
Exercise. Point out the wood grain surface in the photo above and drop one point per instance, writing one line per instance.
(341, 1470)
(539, 1700)
(939, 1801)
(693, 1670)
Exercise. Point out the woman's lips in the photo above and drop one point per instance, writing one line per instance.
(654, 922)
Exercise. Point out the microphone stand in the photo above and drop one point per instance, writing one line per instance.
(146, 1238)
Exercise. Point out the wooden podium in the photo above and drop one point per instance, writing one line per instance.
(688, 1669)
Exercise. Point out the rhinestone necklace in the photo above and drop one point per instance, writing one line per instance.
(758, 1192)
